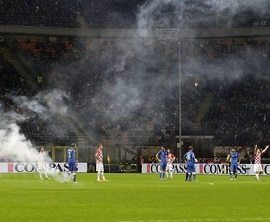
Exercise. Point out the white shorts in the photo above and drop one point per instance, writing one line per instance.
(257, 167)
(41, 166)
(99, 167)
(169, 167)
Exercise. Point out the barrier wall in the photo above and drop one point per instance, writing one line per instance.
(202, 168)
(21, 167)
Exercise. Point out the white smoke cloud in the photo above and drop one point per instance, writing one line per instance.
(13, 116)
(127, 63)
(159, 14)
(233, 7)
(44, 104)
(55, 100)
(14, 145)
(30, 105)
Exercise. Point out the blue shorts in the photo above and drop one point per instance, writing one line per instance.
(191, 168)
(72, 167)
(234, 167)
(163, 166)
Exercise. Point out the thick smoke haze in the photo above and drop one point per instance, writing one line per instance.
(44, 105)
(182, 14)
(120, 81)
(14, 146)
(234, 7)
(229, 68)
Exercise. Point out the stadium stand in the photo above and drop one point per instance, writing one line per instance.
(123, 14)
(194, 14)
(236, 114)
(110, 14)
(239, 113)
(228, 118)
(38, 129)
(39, 13)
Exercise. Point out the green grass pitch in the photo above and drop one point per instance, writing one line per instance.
(134, 197)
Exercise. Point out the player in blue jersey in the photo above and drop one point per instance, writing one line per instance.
(71, 156)
(233, 159)
(190, 164)
(162, 158)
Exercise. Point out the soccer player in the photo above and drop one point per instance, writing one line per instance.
(71, 156)
(190, 164)
(162, 158)
(233, 159)
(99, 163)
(170, 160)
(257, 163)
(42, 163)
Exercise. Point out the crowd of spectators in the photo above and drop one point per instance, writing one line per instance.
(237, 112)
(109, 14)
(13, 85)
(234, 108)
(56, 13)
(192, 14)
(124, 14)
(47, 53)
(98, 107)
(239, 109)
(240, 113)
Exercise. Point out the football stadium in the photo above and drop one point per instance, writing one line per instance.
(134, 110)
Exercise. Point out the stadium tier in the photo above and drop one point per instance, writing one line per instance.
(208, 105)
(125, 14)
(128, 90)
(107, 105)
(39, 13)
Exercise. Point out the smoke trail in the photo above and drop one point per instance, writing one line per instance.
(15, 147)
(129, 83)
(44, 104)
(118, 82)
(159, 14)
(234, 7)
(13, 144)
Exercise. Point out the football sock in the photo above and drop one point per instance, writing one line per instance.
(189, 176)
(102, 175)
(257, 176)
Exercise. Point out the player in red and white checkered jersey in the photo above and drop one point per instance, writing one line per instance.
(257, 160)
(99, 163)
